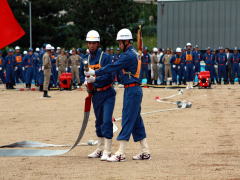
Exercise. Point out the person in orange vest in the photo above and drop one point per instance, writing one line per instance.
(189, 65)
(19, 68)
(103, 96)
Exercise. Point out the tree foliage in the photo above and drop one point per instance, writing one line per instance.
(69, 28)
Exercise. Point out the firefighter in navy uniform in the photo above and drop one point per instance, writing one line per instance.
(103, 97)
(9, 66)
(229, 66)
(146, 60)
(132, 124)
(28, 64)
(208, 58)
(175, 65)
(189, 65)
(221, 60)
(235, 64)
(197, 57)
(19, 69)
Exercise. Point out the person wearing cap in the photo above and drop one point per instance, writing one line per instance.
(9, 66)
(189, 65)
(132, 123)
(62, 63)
(19, 69)
(208, 58)
(154, 63)
(175, 65)
(2, 68)
(166, 60)
(58, 51)
(229, 66)
(107, 51)
(235, 65)
(46, 67)
(197, 57)
(117, 55)
(74, 63)
(40, 74)
(28, 63)
(146, 60)
(103, 96)
(111, 53)
(221, 59)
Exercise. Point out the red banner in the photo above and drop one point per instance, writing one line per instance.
(10, 30)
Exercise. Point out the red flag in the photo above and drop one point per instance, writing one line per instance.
(10, 30)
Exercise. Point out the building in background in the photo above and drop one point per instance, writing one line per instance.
(211, 23)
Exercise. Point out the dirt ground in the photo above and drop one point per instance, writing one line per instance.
(200, 143)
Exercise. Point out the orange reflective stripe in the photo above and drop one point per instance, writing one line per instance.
(95, 66)
(138, 69)
(137, 74)
(18, 59)
(189, 57)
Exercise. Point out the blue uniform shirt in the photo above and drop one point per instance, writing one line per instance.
(221, 58)
(29, 60)
(236, 58)
(208, 59)
(197, 57)
(94, 59)
(146, 59)
(128, 62)
(9, 62)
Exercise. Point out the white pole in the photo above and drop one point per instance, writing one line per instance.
(30, 22)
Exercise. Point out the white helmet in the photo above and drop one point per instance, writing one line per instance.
(178, 49)
(17, 48)
(24, 52)
(155, 49)
(48, 47)
(189, 44)
(53, 48)
(93, 36)
(58, 48)
(37, 49)
(124, 34)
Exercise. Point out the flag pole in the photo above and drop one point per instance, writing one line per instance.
(30, 23)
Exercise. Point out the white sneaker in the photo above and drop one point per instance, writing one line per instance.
(95, 154)
(117, 158)
(105, 156)
(142, 156)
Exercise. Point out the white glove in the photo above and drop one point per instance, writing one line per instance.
(90, 72)
(78, 66)
(91, 79)
(16, 68)
(57, 68)
(23, 68)
(42, 67)
(174, 66)
(66, 69)
(0, 68)
(185, 67)
(193, 67)
(179, 67)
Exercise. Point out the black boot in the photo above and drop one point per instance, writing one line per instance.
(155, 82)
(11, 86)
(29, 86)
(41, 88)
(7, 85)
(45, 94)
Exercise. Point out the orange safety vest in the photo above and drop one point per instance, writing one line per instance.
(1, 61)
(137, 74)
(95, 66)
(18, 59)
(177, 61)
(189, 57)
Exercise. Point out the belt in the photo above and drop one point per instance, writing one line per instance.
(188, 62)
(131, 85)
(104, 88)
(208, 64)
(221, 64)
